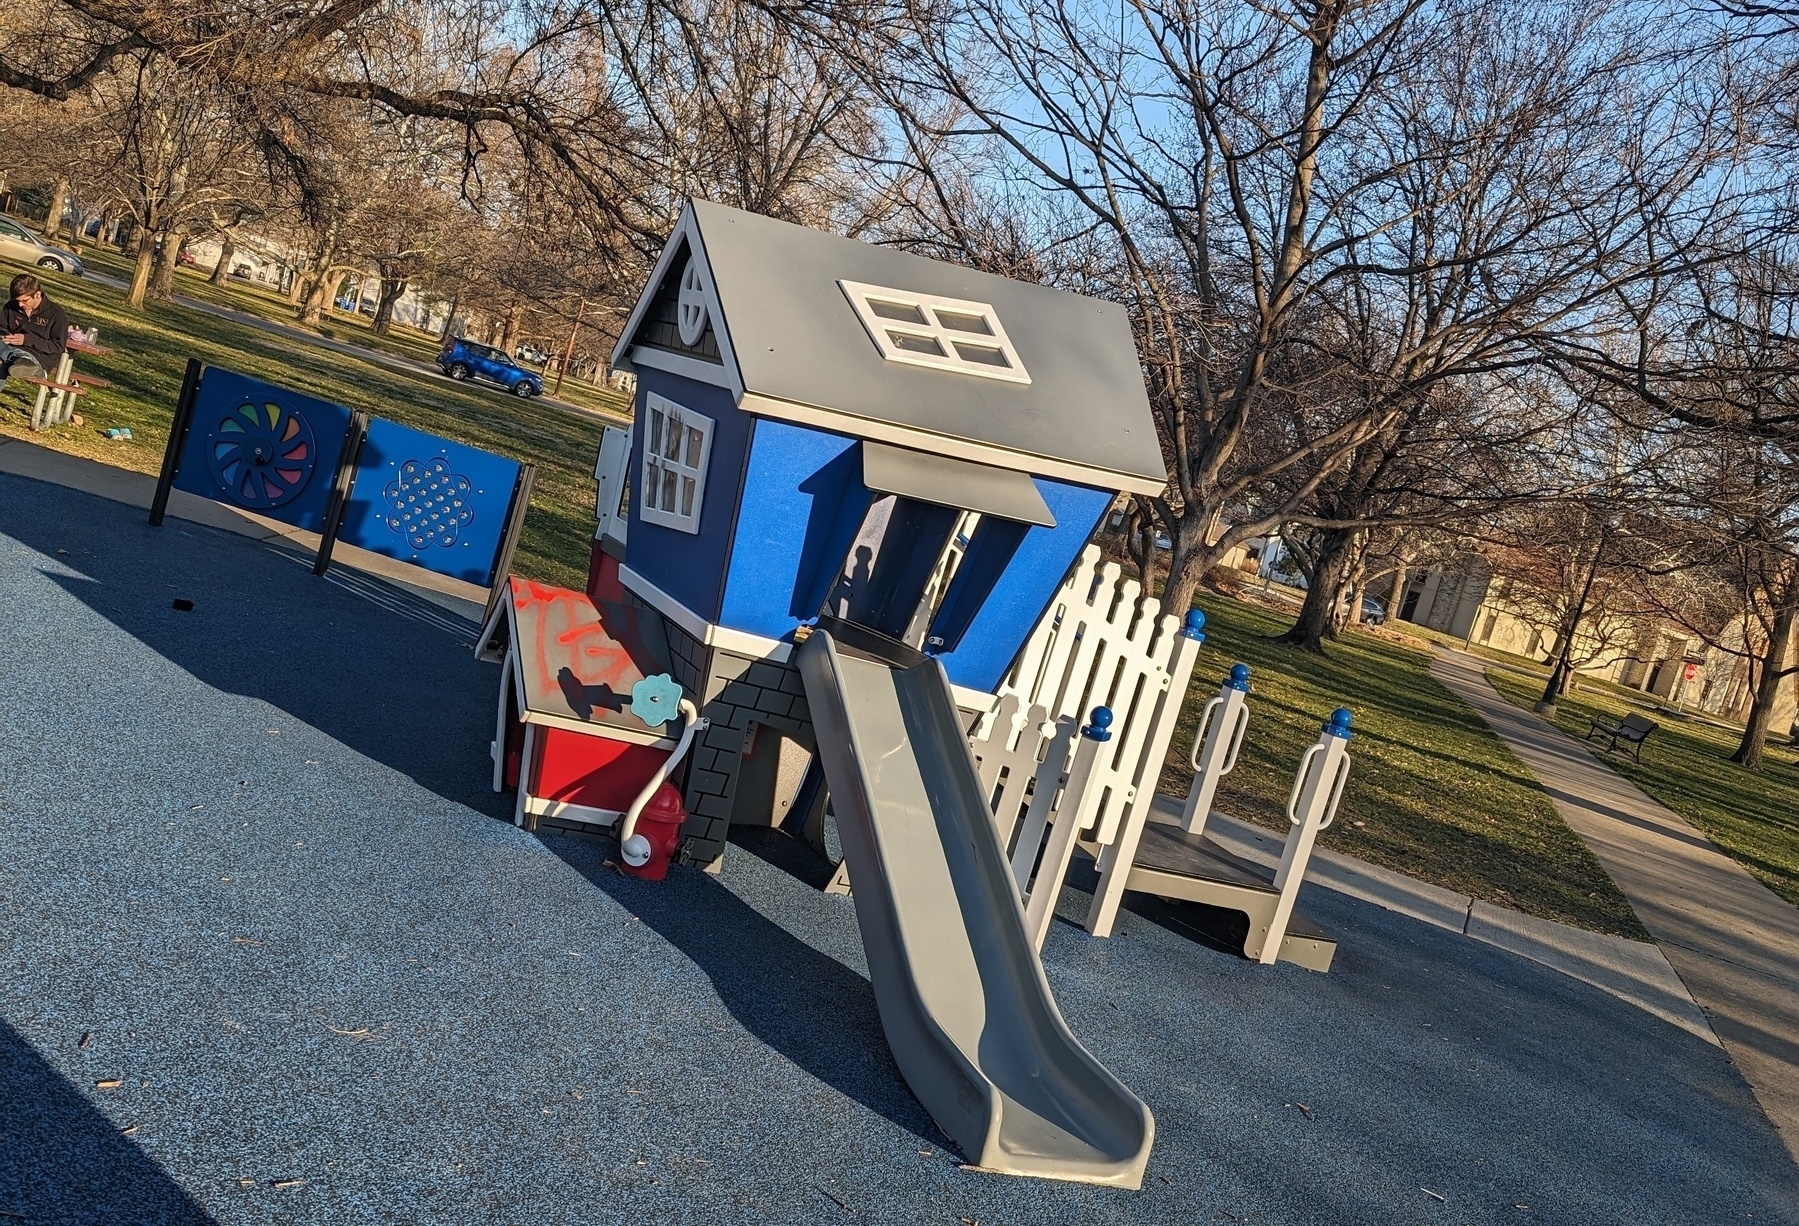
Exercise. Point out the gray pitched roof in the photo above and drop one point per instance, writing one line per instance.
(796, 339)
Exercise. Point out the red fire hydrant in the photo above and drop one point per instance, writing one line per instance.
(651, 848)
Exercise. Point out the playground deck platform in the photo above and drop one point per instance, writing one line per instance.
(272, 951)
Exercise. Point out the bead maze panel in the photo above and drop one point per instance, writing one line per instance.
(262, 448)
(426, 500)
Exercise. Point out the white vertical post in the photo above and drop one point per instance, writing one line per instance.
(1080, 802)
(609, 481)
(1117, 854)
(1215, 746)
(1311, 806)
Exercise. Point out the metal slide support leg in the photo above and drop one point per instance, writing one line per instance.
(1311, 806)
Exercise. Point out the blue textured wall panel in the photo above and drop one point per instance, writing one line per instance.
(803, 501)
(1023, 590)
(262, 448)
(429, 501)
(689, 567)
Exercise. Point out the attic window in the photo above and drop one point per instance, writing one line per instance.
(945, 333)
(675, 455)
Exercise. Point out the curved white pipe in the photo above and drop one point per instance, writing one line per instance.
(631, 845)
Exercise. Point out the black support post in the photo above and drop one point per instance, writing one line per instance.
(515, 525)
(343, 480)
(171, 456)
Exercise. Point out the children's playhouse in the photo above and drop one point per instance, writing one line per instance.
(855, 481)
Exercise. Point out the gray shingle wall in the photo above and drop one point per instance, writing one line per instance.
(741, 694)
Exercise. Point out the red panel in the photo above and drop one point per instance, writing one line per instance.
(592, 770)
(603, 583)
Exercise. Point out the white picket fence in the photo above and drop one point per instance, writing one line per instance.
(1101, 643)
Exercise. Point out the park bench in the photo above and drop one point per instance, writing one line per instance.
(1631, 732)
(56, 395)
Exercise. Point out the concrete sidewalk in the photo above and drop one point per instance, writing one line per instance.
(1732, 940)
(1633, 971)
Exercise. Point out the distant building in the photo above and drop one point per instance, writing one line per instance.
(1466, 599)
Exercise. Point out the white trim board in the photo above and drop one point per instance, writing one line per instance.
(568, 811)
(625, 355)
(839, 422)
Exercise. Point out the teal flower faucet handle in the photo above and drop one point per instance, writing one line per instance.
(655, 700)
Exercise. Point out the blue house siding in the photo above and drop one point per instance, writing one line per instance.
(803, 501)
(691, 568)
(1023, 589)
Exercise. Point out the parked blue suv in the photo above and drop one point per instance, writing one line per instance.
(463, 359)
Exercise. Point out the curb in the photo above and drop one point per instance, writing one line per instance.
(1636, 972)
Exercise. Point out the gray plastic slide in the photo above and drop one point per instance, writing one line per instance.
(962, 996)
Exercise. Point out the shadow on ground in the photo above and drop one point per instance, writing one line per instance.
(277, 633)
(802, 1003)
(62, 1161)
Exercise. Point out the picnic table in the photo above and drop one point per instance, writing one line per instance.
(56, 395)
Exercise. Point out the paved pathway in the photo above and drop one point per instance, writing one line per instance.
(1733, 941)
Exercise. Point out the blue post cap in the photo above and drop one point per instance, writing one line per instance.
(1101, 727)
(1338, 724)
(1195, 628)
(1239, 678)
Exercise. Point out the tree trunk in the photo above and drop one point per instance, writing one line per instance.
(515, 319)
(1774, 670)
(391, 290)
(1402, 575)
(222, 269)
(1332, 563)
(321, 293)
(59, 198)
(450, 318)
(313, 299)
(168, 252)
(140, 273)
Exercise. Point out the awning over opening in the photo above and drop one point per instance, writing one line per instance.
(954, 483)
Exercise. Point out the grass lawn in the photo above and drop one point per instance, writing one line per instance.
(151, 347)
(1686, 765)
(402, 340)
(1432, 792)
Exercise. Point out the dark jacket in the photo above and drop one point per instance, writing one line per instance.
(46, 330)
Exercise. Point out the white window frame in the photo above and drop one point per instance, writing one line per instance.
(652, 487)
(944, 336)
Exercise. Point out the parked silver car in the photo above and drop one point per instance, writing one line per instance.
(18, 243)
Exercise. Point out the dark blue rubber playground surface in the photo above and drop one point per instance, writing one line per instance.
(271, 951)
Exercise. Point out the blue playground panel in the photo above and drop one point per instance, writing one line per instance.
(429, 501)
(262, 448)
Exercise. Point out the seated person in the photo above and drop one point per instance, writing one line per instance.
(34, 331)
